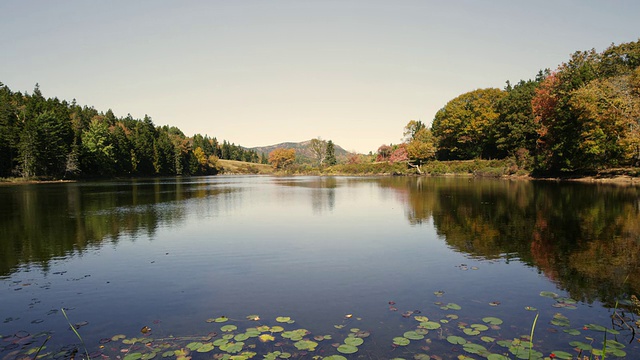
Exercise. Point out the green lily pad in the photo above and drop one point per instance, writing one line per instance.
(497, 357)
(480, 327)
(474, 348)
(133, 356)
(334, 357)
(456, 340)
(167, 354)
(276, 329)
(487, 339)
(471, 332)
(353, 341)
(283, 319)
(220, 342)
(193, 346)
(221, 319)
(205, 348)
(451, 306)
(241, 337)
(562, 355)
(573, 332)
(420, 318)
(401, 341)
(347, 349)
(492, 320)
(306, 345)
(232, 348)
(430, 325)
(548, 294)
(228, 328)
(413, 335)
(530, 308)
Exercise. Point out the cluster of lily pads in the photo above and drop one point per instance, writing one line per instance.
(438, 334)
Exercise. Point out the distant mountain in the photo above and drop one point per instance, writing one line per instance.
(303, 149)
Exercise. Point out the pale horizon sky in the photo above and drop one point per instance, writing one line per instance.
(261, 72)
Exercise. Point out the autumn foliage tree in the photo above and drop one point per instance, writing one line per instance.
(463, 125)
(281, 158)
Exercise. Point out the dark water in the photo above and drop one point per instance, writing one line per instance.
(171, 253)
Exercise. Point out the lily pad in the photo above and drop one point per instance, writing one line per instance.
(353, 341)
(413, 335)
(401, 341)
(480, 327)
(347, 349)
(492, 320)
(232, 348)
(334, 357)
(430, 325)
(228, 328)
(205, 348)
(421, 318)
(456, 340)
(306, 345)
(276, 329)
(221, 319)
(283, 319)
(241, 337)
(562, 355)
(471, 332)
(573, 332)
(548, 294)
(266, 337)
(451, 306)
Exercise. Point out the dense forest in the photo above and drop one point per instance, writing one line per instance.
(585, 115)
(49, 138)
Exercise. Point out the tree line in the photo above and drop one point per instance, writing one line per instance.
(585, 115)
(49, 138)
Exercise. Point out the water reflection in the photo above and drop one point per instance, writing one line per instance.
(584, 237)
(42, 222)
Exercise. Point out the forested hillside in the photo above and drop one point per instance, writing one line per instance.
(49, 138)
(585, 115)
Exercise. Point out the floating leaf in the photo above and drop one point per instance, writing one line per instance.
(276, 329)
(456, 340)
(353, 341)
(205, 348)
(253, 317)
(401, 341)
(421, 318)
(306, 345)
(596, 327)
(474, 348)
(347, 349)
(221, 319)
(241, 337)
(497, 357)
(133, 356)
(548, 294)
(451, 306)
(439, 293)
(118, 337)
(193, 346)
(487, 339)
(228, 328)
(492, 320)
(430, 325)
(573, 332)
(562, 355)
(530, 308)
(480, 327)
(413, 335)
(334, 357)
(232, 347)
(283, 319)
(471, 332)
(263, 328)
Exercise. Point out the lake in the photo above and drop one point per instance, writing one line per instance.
(301, 267)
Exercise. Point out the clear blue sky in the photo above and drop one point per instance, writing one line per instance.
(263, 72)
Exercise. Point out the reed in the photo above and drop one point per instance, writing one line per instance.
(77, 334)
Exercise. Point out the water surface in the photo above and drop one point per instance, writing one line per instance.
(171, 253)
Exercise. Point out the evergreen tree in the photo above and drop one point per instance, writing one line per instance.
(330, 154)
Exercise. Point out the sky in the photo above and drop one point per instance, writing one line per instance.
(260, 72)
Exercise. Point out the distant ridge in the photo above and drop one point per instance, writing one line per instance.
(302, 149)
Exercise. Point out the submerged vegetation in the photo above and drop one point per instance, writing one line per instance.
(443, 331)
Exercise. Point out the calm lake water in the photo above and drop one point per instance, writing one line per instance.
(337, 255)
